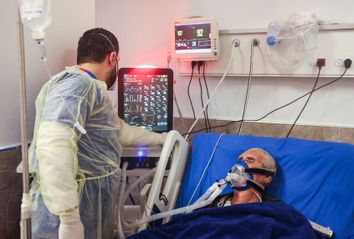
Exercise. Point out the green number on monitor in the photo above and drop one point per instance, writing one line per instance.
(200, 32)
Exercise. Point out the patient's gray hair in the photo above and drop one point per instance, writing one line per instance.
(268, 160)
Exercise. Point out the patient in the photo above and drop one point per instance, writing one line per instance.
(245, 220)
(262, 168)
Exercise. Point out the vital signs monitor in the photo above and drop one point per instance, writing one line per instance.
(196, 39)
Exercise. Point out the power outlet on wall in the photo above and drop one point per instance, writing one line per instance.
(339, 61)
(321, 62)
(314, 62)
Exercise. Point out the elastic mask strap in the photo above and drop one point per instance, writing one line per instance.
(259, 187)
(117, 67)
(262, 171)
(109, 41)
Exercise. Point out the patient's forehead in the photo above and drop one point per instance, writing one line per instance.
(255, 154)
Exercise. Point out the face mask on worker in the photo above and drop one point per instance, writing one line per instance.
(241, 178)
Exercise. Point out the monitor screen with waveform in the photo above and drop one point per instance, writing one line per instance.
(145, 98)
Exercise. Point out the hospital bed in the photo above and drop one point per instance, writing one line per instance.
(315, 177)
(162, 193)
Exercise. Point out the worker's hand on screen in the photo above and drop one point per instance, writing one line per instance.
(71, 226)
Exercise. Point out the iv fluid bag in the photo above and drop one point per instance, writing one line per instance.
(36, 15)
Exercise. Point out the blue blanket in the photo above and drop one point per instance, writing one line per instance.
(252, 220)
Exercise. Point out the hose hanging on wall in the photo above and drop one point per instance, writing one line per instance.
(255, 42)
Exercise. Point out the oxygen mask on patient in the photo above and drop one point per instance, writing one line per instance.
(237, 177)
(241, 178)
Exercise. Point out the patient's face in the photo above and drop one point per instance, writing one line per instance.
(253, 158)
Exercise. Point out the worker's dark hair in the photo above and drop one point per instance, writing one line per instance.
(93, 46)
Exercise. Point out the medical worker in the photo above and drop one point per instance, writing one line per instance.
(77, 143)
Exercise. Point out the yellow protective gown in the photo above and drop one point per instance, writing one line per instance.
(75, 154)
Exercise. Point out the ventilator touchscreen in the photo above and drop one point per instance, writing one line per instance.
(145, 98)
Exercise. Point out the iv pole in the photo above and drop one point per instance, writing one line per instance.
(26, 200)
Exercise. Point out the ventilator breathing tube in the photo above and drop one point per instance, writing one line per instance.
(206, 199)
(121, 200)
(181, 210)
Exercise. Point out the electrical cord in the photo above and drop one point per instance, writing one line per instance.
(213, 127)
(188, 89)
(347, 65)
(169, 58)
(307, 101)
(215, 90)
(208, 96)
(179, 111)
(276, 109)
(201, 97)
(291, 102)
